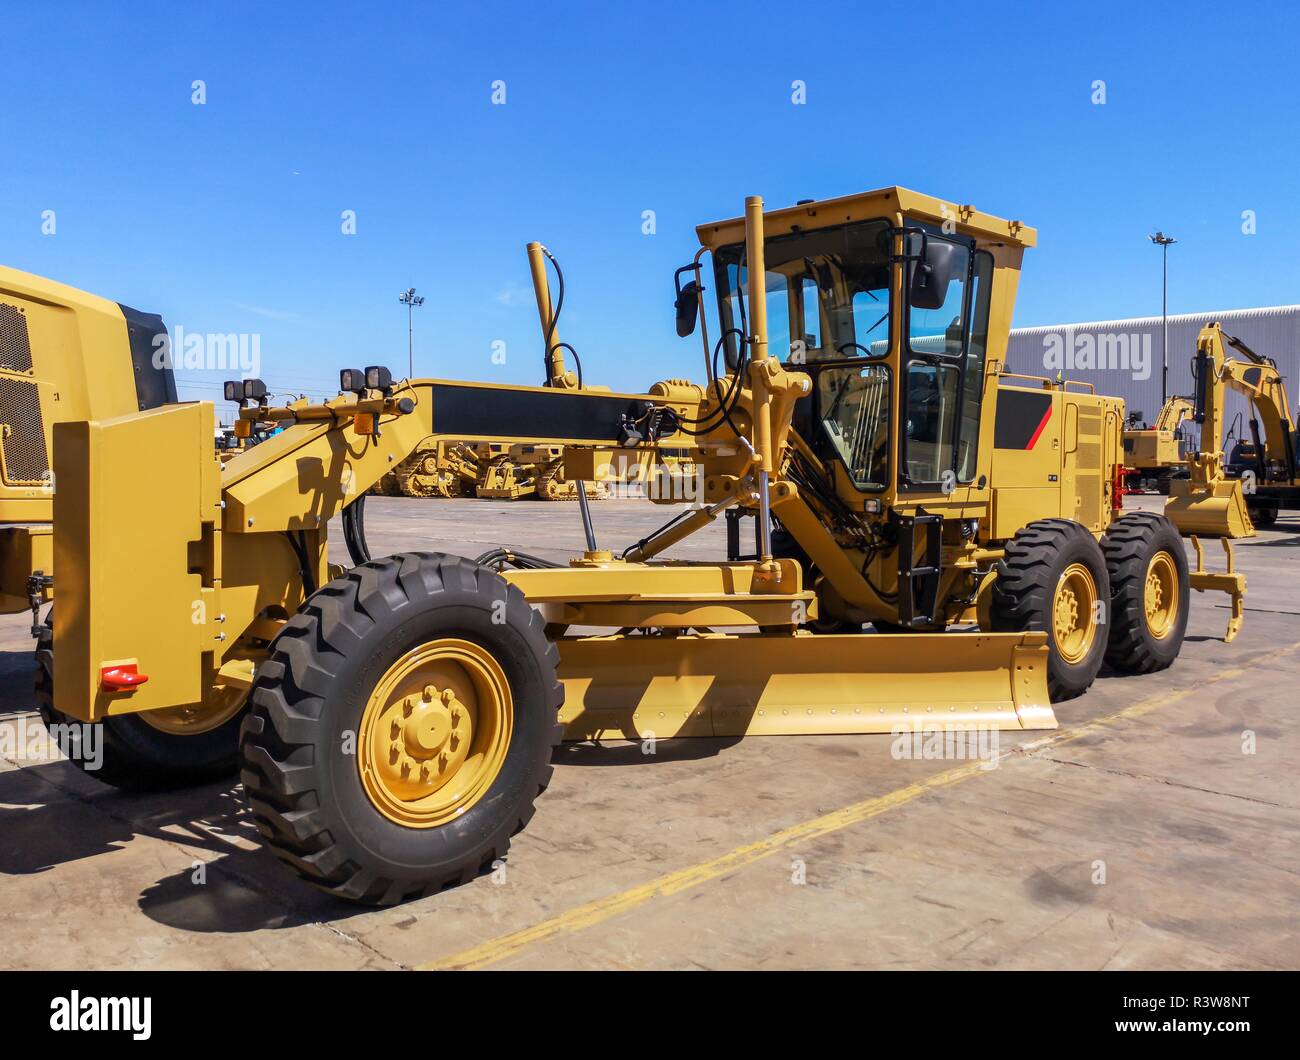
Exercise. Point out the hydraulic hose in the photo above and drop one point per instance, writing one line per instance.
(354, 531)
(551, 345)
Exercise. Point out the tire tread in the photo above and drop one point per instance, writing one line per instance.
(287, 699)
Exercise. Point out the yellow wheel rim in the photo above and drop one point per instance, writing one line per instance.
(1073, 603)
(1161, 595)
(203, 717)
(434, 733)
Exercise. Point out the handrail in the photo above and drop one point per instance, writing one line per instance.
(1048, 384)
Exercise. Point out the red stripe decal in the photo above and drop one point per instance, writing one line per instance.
(1042, 423)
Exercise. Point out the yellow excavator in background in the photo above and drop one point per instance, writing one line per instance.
(1156, 452)
(1231, 501)
(1267, 464)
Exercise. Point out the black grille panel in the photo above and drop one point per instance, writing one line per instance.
(26, 461)
(15, 348)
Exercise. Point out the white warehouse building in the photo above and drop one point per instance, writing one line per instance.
(1123, 357)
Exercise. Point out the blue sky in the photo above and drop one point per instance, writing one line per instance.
(225, 217)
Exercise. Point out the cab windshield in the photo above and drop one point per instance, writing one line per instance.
(827, 292)
(827, 297)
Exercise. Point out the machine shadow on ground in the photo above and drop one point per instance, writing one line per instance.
(17, 681)
(46, 823)
(634, 753)
(49, 817)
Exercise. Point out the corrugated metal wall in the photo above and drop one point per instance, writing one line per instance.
(1123, 357)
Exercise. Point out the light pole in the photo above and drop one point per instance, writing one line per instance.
(410, 299)
(1163, 242)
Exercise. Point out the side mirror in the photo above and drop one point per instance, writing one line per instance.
(932, 273)
(688, 307)
(688, 299)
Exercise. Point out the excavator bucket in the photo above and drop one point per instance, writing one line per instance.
(800, 684)
(1217, 509)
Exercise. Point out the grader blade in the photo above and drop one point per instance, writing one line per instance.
(1217, 509)
(635, 687)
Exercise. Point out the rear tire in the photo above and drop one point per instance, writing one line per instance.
(1050, 578)
(132, 754)
(339, 816)
(1262, 515)
(1149, 592)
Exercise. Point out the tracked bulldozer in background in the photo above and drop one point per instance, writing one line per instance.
(491, 470)
(554, 485)
(532, 470)
(64, 355)
(394, 722)
(438, 468)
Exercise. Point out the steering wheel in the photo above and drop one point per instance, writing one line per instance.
(845, 345)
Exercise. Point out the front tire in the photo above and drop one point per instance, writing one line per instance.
(1149, 592)
(1052, 577)
(402, 728)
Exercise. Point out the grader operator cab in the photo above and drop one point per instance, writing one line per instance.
(394, 722)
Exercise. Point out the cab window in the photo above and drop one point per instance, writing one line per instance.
(853, 403)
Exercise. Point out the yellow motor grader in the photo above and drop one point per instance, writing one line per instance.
(394, 722)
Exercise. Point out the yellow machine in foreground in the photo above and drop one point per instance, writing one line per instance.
(394, 722)
(64, 355)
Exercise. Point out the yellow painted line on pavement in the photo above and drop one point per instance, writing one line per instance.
(602, 909)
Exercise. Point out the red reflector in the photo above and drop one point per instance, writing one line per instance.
(121, 678)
